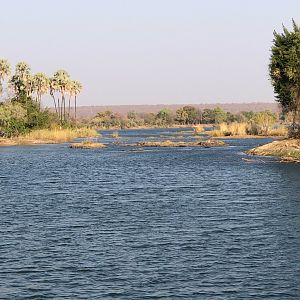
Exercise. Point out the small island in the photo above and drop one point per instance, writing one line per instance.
(204, 144)
(288, 150)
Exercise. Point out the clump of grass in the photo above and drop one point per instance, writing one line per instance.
(198, 129)
(87, 144)
(115, 135)
(56, 135)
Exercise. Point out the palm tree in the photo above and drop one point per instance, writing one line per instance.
(41, 86)
(62, 79)
(4, 72)
(77, 88)
(53, 87)
(22, 81)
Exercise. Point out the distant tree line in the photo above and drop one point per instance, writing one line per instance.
(186, 115)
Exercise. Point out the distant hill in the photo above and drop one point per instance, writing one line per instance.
(91, 111)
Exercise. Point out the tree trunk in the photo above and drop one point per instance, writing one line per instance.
(75, 109)
(52, 95)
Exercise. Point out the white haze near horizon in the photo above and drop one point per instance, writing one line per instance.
(150, 51)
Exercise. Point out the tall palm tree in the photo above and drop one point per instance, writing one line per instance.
(4, 72)
(77, 88)
(41, 86)
(53, 87)
(22, 81)
(62, 78)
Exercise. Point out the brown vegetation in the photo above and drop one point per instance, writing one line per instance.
(49, 136)
(87, 145)
(287, 150)
(206, 144)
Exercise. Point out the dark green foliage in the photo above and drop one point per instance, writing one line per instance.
(284, 69)
(188, 115)
(22, 114)
(214, 116)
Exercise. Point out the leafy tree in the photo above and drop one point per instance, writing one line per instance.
(265, 120)
(181, 116)
(22, 81)
(132, 115)
(12, 119)
(220, 115)
(193, 114)
(164, 117)
(214, 116)
(284, 70)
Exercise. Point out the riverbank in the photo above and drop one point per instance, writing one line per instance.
(287, 150)
(49, 136)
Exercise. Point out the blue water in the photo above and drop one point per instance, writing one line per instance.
(165, 223)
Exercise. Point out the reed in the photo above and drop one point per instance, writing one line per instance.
(115, 135)
(198, 129)
(283, 131)
(57, 135)
(232, 129)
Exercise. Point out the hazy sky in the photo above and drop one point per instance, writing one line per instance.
(150, 51)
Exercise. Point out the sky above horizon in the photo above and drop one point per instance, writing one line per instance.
(150, 51)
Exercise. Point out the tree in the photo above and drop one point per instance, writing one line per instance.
(192, 114)
(163, 117)
(77, 87)
(181, 116)
(284, 70)
(4, 72)
(41, 86)
(22, 81)
(265, 120)
(220, 115)
(61, 80)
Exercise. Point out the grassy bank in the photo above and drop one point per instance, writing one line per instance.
(49, 136)
(287, 150)
(240, 130)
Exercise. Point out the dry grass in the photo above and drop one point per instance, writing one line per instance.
(206, 143)
(282, 131)
(233, 129)
(244, 129)
(288, 149)
(50, 136)
(59, 135)
(87, 145)
(198, 129)
(115, 135)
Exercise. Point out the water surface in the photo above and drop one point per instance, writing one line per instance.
(165, 223)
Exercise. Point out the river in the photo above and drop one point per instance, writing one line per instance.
(163, 223)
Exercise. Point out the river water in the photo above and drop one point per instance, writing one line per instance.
(164, 223)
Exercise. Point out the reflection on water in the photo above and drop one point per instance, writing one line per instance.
(186, 223)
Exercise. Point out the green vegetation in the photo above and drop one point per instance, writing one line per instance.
(21, 112)
(284, 71)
